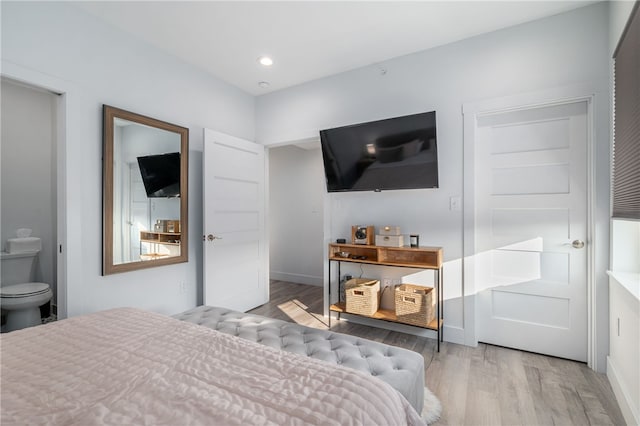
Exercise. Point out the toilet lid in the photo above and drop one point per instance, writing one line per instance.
(25, 289)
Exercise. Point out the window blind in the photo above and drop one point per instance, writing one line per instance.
(626, 127)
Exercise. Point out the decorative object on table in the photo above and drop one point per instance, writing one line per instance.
(362, 234)
(390, 240)
(167, 225)
(389, 236)
(341, 241)
(389, 230)
(414, 304)
(414, 240)
(361, 296)
(173, 226)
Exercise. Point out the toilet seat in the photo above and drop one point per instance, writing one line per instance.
(23, 290)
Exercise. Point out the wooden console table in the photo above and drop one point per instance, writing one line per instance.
(403, 257)
(164, 238)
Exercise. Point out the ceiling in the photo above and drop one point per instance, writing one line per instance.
(309, 40)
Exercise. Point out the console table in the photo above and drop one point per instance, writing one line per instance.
(403, 257)
(154, 238)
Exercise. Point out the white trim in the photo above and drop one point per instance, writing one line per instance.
(266, 263)
(592, 326)
(471, 111)
(61, 204)
(328, 225)
(622, 395)
(468, 228)
(68, 190)
(297, 278)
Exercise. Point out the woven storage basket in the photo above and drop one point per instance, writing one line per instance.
(362, 296)
(414, 304)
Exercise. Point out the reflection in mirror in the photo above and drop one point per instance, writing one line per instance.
(145, 192)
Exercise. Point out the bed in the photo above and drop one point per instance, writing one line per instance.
(128, 366)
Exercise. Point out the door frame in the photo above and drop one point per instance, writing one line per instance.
(68, 244)
(470, 112)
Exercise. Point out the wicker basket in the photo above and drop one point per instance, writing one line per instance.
(414, 304)
(362, 296)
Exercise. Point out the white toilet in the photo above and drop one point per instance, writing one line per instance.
(20, 297)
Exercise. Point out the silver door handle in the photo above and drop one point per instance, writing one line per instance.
(577, 244)
(212, 237)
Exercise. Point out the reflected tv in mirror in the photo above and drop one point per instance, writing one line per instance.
(161, 174)
(395, 153)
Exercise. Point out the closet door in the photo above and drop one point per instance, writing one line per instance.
(531, 228)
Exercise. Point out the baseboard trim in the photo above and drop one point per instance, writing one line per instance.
(297, 278)
(622, 395)
(454, 334)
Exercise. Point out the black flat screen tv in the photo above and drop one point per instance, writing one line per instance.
(161, 174)
(396, 153)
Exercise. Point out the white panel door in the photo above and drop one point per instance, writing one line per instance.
(139, 214)
(235, 267)
(531, 228)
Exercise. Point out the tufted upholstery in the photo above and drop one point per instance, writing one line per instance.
(401, 368)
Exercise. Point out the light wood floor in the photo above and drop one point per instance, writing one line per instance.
(486, 385)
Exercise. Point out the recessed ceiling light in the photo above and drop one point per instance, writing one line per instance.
(263, 84)
(265, 60)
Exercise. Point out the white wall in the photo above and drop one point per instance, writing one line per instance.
(296, 199)
(29, 171)
(619, 12)
(559, 51)
(100, 64)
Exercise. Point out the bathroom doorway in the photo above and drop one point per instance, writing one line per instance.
(29, 175)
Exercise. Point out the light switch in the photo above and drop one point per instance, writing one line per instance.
(455, 203)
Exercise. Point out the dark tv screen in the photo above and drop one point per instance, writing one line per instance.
(161, 174)
(396, 153)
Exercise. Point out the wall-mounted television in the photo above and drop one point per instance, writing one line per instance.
(161, 174)
(395, 153)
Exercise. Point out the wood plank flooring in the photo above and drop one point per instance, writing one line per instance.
(486, 385)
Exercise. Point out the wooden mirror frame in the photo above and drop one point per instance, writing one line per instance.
(109, 115)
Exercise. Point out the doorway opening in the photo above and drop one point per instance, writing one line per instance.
(296, 213)
(29, 177)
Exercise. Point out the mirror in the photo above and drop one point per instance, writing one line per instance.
(145, 188)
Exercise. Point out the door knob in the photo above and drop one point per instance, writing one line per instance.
(212, 237)
(577, 244)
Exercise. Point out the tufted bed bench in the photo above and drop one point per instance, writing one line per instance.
(401, 368)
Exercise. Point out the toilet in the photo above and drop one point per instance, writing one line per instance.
(20, 297)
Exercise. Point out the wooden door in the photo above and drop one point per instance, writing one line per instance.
(235, 242)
